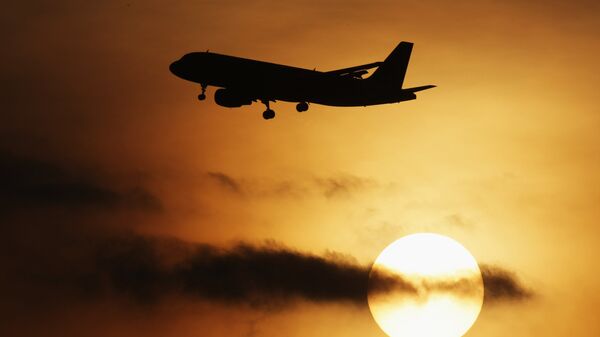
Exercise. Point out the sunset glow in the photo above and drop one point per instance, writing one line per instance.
(130, 208)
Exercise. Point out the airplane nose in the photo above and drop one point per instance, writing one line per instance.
(174, 68)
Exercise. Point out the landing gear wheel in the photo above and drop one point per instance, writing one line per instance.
(302, 106)
(269, 114)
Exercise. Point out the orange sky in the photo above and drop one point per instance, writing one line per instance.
(503, 155)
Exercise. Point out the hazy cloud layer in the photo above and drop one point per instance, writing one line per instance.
(30, 183)
(92, 262)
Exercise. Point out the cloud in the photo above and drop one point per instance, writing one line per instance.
(343, 185)
(31, 183)
(384, 283)
(266, 276)
(335, 186)
(459, 220)
(226, 182)
(501, 285)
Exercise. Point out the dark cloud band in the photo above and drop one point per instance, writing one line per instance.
(269, 275)
(31, 184)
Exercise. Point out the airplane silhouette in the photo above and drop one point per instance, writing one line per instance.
(243, 81)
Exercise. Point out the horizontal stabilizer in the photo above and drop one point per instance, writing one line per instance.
(415, 89)
(351, 70)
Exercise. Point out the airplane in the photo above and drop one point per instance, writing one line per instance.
(242, 81)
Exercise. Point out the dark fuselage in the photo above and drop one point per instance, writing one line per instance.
(259, 80)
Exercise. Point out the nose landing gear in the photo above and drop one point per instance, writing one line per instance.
(202, 95)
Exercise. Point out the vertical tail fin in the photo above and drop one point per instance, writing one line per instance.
(393, 69)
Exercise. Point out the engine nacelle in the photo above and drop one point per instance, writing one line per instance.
(230, 99)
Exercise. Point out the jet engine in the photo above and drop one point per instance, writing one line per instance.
(230, 99)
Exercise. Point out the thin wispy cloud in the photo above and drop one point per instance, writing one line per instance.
(335, 186)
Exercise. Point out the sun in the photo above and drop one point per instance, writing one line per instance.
(425, 285)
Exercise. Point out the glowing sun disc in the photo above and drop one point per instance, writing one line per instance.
(425, 285)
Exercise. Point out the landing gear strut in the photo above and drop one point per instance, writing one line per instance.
(202, 95)
(268, 114)
(302, 106)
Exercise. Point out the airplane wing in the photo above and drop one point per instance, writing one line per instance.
(356, 71)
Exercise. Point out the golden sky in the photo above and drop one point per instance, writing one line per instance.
(503, 155)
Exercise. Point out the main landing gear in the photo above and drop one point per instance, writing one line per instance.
(202, 95)
(267, 114)
(302, 106)
(270, 114)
